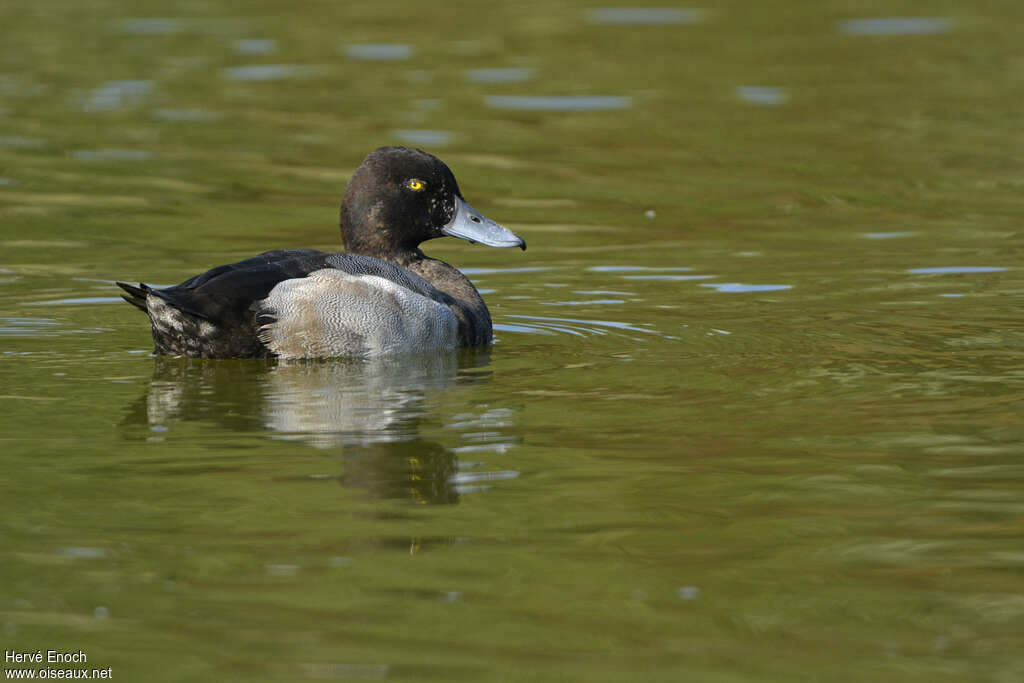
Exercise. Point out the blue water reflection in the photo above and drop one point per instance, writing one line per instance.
(509, 75)
(577, 326)
(618, 269)
(27, 327)
(762, 95)
(427, 138)
(527, 329)
(382, 52)
(19, 142)
(558, 102)
(500, 271)
(591, 302)
(255, 46)
(598, 292)
(896, 26)
(668, 277)
(734, 287)
(269, 72)
(169, 26)
(956, 269)
(886, 235)
(78, 301)
(185, 115)
(114, 95)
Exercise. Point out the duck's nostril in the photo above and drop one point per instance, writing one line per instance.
(475, 219)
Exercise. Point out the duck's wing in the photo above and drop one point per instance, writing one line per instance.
(231, 292)
(226, 292)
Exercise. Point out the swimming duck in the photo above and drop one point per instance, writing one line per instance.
(382, 296)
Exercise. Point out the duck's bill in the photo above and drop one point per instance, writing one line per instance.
(470, 224)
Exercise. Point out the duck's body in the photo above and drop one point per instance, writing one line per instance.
(384, 296)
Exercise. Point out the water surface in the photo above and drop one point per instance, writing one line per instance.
(754, 408)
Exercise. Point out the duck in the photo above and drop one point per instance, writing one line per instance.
(381, 296)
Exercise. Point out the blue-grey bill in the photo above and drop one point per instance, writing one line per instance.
(470, 224)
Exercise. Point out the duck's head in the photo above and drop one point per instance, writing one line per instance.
(400, 197)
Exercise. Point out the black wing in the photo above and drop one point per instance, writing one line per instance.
(226, 294)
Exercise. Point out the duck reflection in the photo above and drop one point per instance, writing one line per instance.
(354, 402)
(368, 411)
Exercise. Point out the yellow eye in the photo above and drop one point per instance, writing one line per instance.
(415, 185)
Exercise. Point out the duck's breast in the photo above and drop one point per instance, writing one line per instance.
(332, 313)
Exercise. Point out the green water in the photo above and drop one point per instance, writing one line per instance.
(730, 431)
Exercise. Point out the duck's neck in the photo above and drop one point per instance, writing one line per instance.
(466, 303)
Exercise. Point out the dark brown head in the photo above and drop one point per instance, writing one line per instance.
(400, 197)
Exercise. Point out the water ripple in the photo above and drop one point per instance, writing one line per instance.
(379, 52)
(427, 138)
(185, 115)
(592, 302)
(956, 269)
(170, 26)
(886, 235)
(558, 103)
(114, 95)
(548, 331)
(269, 72)
(255, 46)
(19, 142)
(500, 271)
(762, 95)
(733, 287)
(896, 26)
(78, 301)
(574, 326)
(622, 269)
(510, 75)
(668, 277)
(26, 327)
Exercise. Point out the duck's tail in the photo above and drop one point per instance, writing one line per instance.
(136, 296)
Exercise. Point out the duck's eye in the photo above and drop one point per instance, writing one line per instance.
(415, 185)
